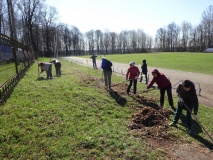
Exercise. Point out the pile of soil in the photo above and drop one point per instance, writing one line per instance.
(151, 122)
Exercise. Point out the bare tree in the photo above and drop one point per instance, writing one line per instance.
(106, 41)
(207, 20)
(186, 29)
(97, 40)
(172, 36)
(49, 16)
(75, 36)
(30, 10)
(113, 42)
(91, 41)
(161, 39)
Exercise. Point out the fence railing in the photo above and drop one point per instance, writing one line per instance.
(18, 54)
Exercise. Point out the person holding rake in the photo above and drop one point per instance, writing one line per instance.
(188, 101)
(164, 85)
(106, 65)
(132, 75)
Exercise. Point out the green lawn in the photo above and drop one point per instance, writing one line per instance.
(69, 117)
(185, 61)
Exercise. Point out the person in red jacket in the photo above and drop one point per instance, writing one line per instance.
(164, 85)
(132, 75)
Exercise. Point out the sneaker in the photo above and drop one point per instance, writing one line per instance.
(189, 131)
(173, 124)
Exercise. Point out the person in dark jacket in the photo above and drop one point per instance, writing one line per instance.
(164, 85)
(94, 61)
(144, 71)
(107, 71)
(57, 64)
(187, 100)
(132, 75)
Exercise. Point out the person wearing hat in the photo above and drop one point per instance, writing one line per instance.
(144, 71)
(164, 85)
(45, 66)
(132, 75)
(188, 101)
(107, 72)
(57, 66)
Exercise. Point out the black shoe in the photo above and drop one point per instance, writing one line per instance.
(173, 108)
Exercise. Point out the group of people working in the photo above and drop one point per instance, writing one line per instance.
(47, 66)
(186, 91)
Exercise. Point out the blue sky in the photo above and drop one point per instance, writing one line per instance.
(118, 15)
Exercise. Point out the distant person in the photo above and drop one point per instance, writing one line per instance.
(57, 64)
(144, 71)
(188, 101)
(164, 85)
(45, 66)
(106, 65)
(132, 75)
(94, 61)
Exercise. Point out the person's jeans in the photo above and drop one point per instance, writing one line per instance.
(107, 78)
(188, 115)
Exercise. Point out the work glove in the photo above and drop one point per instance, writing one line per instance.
(181, 100)
(145, 90)
(195, 117)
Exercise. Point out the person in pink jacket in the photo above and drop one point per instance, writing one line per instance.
(132, 75)
(164, 85)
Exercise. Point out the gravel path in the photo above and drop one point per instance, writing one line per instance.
(203, 82)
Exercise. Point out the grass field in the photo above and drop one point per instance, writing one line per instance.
(185, 61)
(71, 118)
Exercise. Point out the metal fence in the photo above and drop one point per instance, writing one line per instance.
(15, 60)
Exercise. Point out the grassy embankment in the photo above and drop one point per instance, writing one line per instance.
(71, 117)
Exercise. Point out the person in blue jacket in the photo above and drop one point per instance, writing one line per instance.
(107, 71)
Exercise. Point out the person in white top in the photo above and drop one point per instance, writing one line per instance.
(57, 64)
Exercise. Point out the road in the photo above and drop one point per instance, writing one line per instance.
(203, 82)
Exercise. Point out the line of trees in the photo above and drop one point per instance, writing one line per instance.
(34, 24)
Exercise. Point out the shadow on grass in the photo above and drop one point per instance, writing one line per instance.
(120, 100)
(196, 129)
(41, 78)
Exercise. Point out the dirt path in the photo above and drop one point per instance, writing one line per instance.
(203, 82)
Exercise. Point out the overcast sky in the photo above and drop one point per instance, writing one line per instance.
(119, 15)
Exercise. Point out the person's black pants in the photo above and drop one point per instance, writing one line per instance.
(130, 85)
(169, 94)
(58, 69)
(145, 73)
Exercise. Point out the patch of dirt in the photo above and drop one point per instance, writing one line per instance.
(151, 124)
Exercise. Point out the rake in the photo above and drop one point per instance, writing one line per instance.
(197, 121)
